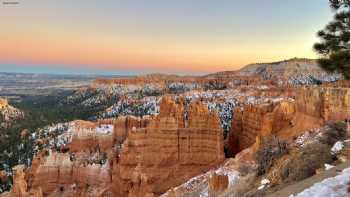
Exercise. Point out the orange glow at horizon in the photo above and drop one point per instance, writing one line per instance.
(70, 49)
(31, 38)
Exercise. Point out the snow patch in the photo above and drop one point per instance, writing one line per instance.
(336, 187)
(328, 166)
(337, 147)
(264, 183)
(104, 129)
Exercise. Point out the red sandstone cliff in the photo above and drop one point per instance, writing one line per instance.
(259, 120)
(329, 104)
(129, 156)
(169, 150)
(312, 108)
(228, 78)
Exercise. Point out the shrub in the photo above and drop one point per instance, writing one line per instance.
(334, 133)
(270, 150)
(245, 169)
(215, 85)
(305, 163)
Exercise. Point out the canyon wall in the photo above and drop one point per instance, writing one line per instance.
(89, 136)
(328, 103)
(171, 149)
(227, 79)
(258, 120)
(58, 171)
(313, 107)
(130, 156)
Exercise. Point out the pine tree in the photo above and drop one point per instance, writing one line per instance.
(334, 46)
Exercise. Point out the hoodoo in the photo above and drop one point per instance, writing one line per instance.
(132, 156)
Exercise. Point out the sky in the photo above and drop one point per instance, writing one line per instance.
(155, 36)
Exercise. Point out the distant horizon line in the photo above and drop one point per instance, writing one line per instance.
(138, 73)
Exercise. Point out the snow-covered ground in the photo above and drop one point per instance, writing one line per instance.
(198, 185)
(308, 137)
(332, 187)
(133, 107)
(337, 147)
(104, 129)
(263, 184)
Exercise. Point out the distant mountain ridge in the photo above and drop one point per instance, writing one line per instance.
(296, 71)
(286, 67)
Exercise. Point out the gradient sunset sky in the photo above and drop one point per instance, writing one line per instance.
(147, 36)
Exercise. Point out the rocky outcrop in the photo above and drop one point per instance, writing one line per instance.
(291, 72)
(56, 174)
(259, 120)
(74, 173)
(52, 171)
(169, 83)
(159, 80)
(3, 103)
(216, 180)
(88, 136)
(313, 107)
(217, 184)
(125, 124)
(8, 114)
(283, 115)
(20, 184)
(131, 156)
(327, 103)
(172, 145)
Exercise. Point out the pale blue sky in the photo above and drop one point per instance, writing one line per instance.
(182, 36)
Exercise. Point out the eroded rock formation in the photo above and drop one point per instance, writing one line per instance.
(330, 103)
(171, 149)
(8, 113)
(130, 156)
(312, 108)
(217, 184)
(220, 80)
(89, 136)
(259, 120)
(3, 103)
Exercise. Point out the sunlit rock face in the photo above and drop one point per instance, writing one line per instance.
(59, 172)
(217, 184)
(130, 156)
(3, 103)
(328, 103)
(259, 120)
(21, 185)
(312, 108)
(8, 114)
(88, 136)
(182, 136)
(172, 148)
